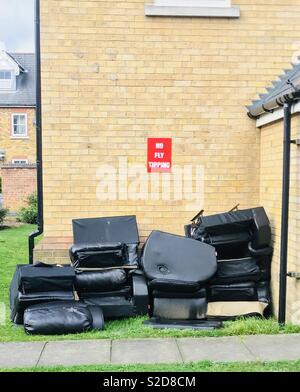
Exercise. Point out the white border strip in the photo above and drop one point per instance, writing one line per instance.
(269, 118)
(204, 12)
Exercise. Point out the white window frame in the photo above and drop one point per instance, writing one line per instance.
(19, 161)
(193, 8)
(6, 84)
(16, 136)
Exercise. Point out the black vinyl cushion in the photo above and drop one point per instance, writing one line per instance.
(169, 294)
(172, 257)
(179, 308)
(19, 301)
(42, 277)
(125, 292)
(100, 281)
(112, 307)
(237, 271)
(106, 229)
(174, 285)
(99, 255)
(234, 292)
(61, 318)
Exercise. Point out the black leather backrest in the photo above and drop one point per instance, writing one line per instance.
(108, 229)
(172, 257)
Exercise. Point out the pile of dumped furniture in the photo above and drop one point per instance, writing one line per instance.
(221, 270)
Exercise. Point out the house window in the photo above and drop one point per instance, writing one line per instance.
(196, 8)
(20, 161)
(5, 80)
(19, 125)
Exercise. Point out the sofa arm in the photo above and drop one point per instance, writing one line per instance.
(140, 293)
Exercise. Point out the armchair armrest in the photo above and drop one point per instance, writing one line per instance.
(140, 293)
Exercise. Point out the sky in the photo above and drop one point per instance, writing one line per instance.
(17, 25)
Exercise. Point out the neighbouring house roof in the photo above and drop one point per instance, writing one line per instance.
(25, 89)
(285, 88)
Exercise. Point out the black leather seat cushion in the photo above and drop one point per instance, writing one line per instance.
(100, 281)
(235, 292)
(19, 301)
(125, 292)
(44, 277)
(99, 255)
(237, 271)
(174, 258)
(169, 294)
(179, 308)
(62, 318)
(113, 307)
(174, 286)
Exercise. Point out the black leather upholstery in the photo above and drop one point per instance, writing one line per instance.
(237, 271)
(99, 255)
(233, 292)
(171, 257)
(54, 283)
(177, 269)
(100, 281)
(57, 318)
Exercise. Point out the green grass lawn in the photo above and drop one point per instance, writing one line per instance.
(13, 250)
(205, 366)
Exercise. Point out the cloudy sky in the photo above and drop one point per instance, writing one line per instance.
(17, 25)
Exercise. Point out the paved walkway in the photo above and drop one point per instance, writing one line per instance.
(96, 352)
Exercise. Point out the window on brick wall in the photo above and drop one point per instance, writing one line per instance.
(19, 125)
(196, 8)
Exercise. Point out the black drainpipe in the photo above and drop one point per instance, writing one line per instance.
(39, 154)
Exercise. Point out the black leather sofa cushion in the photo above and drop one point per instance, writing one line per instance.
(44, 277)
(112, 307)
(235, 292)
(174, 258)
(19, 301)
(169, 294)
(99, 255)
(237, 271)
(62, 318)
(179, 308)
(100, 281)
(174, 285)
(125, 292)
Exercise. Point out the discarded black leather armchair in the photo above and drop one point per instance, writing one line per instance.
(177, 270)
(62, 317)
(242, 241)
(38, 283)
(105, 258)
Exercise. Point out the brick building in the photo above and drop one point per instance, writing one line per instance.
(17, 129)
(117, 73)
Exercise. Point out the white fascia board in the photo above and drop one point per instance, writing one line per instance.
(269, 118)
(188, 11)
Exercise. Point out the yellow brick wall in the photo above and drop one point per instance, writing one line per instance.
(112, 77)
(270, 198)
(17, 148)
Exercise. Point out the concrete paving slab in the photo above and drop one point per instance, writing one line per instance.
(274, 347)
(228, 349)
(145, 351)
(20, 354)
(76, 352)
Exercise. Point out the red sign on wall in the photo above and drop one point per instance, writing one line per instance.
(159, 155)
